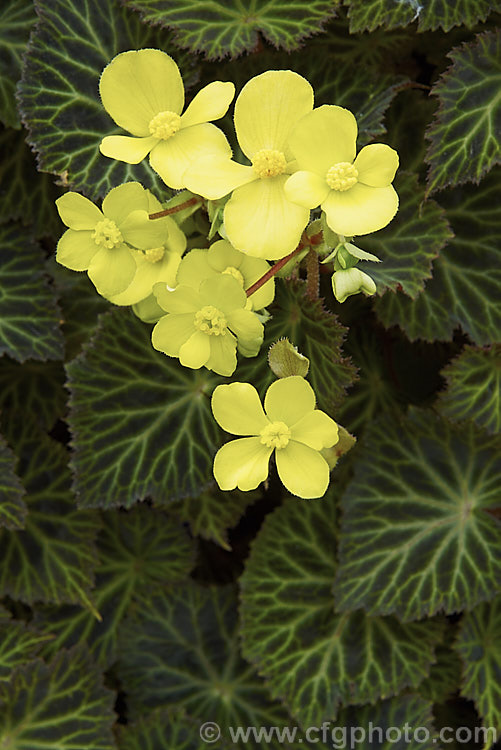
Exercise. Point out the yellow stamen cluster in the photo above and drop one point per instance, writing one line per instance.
(342, 176)
(154, 254)
(165, 125)
(107, 234)
(232, 271)
(275, 435)
(268, 162)
(211, 320)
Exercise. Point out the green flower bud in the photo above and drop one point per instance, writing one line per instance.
(351, 281)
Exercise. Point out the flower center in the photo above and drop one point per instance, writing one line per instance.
(342, 176)
(275, 435)
(107, 234)
(211, 320)
(164, 125)
(232, 271)
(269, 162)
(154, 254)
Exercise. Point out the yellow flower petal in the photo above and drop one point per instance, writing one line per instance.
(223, 292)
(323, 138)
(211, 103)
(195, 352)
(303, 471)
(171, 332)
(111, 271)
(142, 232)
(183, 299)
(289, 399)
(248, 329)
(222, 254)
(316, 429)
(127, 148)
(237, 409)
(148, 310)
(223, 357)
(360, 210)
(194, 268)
(252, 269)
(242, 463)
(139, 84)
(78, 212)
(75, 249)
(171, 158)
(306, 189)
(147, 275)
(217, 175)
(376, 165)
(124, 199)
(261, 221)
(268, 107)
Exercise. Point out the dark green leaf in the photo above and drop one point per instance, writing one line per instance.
(416, 536)
(465, 133)
(217, 28)
(139, 553)
(366, 15)
(445, 675)
(35, 387)
(211, 514)
(29, 316)
(18, 644)
(12, 507)
(142, 424)
(162, 730)
(474, 387)
(16, 19)
(312, 658)
(60, 705)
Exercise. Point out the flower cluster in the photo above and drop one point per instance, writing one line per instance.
(209, 303)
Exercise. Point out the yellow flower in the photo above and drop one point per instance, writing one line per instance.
(143, 92)
(259, 219)
(204, 326)
(223, 258)
(291, 427)
(355, 193)
(156, 264)
(99, 241)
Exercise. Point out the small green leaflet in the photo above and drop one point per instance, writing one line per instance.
(16, 19)
(139, 553)
(367, 15)
(12, 506)
(19, 643)
(416, 534)
(474, 387)
(479, 645)
(141, 423)
(63, 702)
(29, 316)
(464, 137)
(63, 114)
(217, 28)
(314, 660)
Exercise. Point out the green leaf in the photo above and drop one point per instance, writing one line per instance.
(316, 333)
(29, 316)
(19, 644)
(63, 112)
(141, 423)
(162, 730)
(60, 705)
(139, 553)
(26, 194)
(445, 675)
(12, 506)
(474, 387)
(409, 244)
(479, 646)
(16, 19)
(367, 15)
(182, 648)
(52, 559)
(313, 659)
(212, 513)
(466, 286)
(464, 136)
(216, 28)
(416, 535)
(35, 387)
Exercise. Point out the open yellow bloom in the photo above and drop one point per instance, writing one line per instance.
(259, 219)
(291, 427)
(144, 94)
(355, 193)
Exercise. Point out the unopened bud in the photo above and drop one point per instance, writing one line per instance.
(284, 360)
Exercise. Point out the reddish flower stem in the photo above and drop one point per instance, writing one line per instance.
(305, 242)
(175, 209)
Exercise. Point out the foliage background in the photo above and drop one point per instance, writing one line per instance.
(125, 624)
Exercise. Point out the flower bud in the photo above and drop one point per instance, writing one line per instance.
(351, 281)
